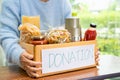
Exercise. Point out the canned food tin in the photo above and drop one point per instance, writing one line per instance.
(73, 26)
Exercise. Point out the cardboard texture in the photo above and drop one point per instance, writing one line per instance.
(60, 58)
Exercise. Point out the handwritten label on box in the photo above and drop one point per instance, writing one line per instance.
(59, 59)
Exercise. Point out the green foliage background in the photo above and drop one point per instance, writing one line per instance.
(102, 19)
(109, 46)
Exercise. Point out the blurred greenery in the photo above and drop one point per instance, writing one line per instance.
(100, 18)
(108, 18)
(109, 46)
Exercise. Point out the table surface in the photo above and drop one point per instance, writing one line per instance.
(109, 66)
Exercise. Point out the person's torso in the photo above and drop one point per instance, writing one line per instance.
(51, 13)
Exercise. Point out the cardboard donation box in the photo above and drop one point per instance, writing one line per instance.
(64, 57)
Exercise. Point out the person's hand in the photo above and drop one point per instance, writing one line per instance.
(97, 58)
(29, 65)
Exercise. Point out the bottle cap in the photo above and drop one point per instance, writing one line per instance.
(74, 14)
(93, 25)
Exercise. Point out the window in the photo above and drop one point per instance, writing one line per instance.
(105, 13)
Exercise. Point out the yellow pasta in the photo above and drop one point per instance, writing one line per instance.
(27, 27)
(58, 36)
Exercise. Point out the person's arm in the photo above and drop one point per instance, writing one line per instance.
(67, 9)
(9, 38)
(9, 34)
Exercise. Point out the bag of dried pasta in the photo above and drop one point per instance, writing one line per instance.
(58, 36)
(27, 31)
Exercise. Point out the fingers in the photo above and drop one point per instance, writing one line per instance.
(97, 57)
(29, 56)
(32, 71)
(32, 74)
(33, 68)
(30, 62)
(30, 66)
(97, 54)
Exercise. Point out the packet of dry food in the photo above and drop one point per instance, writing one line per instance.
(58, 36)
(27, 31)
(39, 40)
(35, 20)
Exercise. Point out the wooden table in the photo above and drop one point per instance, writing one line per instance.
(109, 67)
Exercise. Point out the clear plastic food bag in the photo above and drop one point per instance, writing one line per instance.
(27, 31)
(25, 36)
(58, 36)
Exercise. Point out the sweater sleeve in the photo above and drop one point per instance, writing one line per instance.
(68, 9)
(9, 34)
